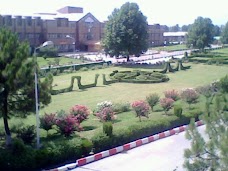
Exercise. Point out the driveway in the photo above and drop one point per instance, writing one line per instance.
(162, 155)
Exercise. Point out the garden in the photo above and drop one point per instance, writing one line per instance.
(104, 112)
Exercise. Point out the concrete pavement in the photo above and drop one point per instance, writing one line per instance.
(162, 155)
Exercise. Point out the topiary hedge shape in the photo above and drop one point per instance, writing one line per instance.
(80, 86)
(168, 67)
(137, 76)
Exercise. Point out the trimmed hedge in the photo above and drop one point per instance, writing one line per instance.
(75, 66)
(138, 76)
(23, 157)
(107, 82)
(80, 86)
(102, 142)
(221, 60)
(179, 66)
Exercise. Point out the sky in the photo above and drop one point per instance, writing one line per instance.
(164, 12)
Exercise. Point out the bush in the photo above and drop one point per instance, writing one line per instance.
(47, 121)
(141, 108)
(27, 134)
(68, 124)
(86, 146)
(106, 114)
(121, 107)
(52, 52)
(178, 110)
(173, 94)
(81, 112)
(18, 157)
(189, 95)
(166, 104)
(224, 84)
(84, 69)
(152, 100)
(107, 128)
(103, 104)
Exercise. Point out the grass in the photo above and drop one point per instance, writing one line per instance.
(222, 52)
(120, 92)
(63, 61)
(170, 48)
(198, 75)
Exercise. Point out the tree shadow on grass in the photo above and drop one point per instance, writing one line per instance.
(116, 121)
(158, 110)
(89, 128)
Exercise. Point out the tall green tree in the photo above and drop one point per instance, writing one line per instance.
(210, 152)
(17, 88)
(200, 33)
(126, 32)
(175, 28)
(224, 35)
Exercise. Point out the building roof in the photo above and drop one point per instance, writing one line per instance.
(71, 15)
(179, 33)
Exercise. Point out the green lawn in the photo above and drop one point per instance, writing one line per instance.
(44, 62)
(198, 75)
(120, 92)
(222, 52)
(170, 48)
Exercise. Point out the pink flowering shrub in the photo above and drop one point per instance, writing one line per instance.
(106, 114)
(189, 95)
(173, 94)
(47, 121)
(68, 124)
(141, 108)
(166, 104)
(81, 112)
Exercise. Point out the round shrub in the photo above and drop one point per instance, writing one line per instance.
(141, 108)
(47, 121)
(173, 94)
(27, 134)
(68, 124)
(189, 95)
(106, 114)
(166, 104)
(81, 112)
(152, 100)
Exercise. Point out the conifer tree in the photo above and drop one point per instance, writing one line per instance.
(210, 152)
(17, 97)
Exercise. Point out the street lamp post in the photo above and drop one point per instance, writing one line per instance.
(68, 36)
(47, 43)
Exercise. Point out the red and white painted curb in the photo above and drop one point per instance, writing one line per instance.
(125, 147)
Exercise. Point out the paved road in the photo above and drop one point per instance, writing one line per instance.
(162, 155)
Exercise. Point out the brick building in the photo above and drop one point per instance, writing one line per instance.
(69, 29)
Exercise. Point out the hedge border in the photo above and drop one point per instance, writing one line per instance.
(125, 147)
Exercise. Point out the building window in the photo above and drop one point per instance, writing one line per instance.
(38, 22)
(30, 35)
(29, 22)
(7, 21)
(37, 35)
(89, 36)
(19, 22)
(58, 23)
(52, 36)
